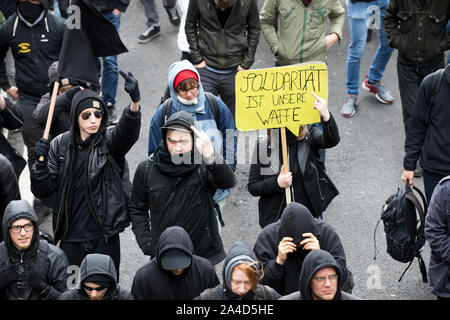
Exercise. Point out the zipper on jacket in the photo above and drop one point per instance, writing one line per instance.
(303, 34)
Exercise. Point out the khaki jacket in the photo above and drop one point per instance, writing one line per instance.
(301, 30)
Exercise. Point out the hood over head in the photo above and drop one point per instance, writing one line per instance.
(98, 269)
(315, 261)
(15, 210)
(181, 120)
(238, 253)
(174, 70)
(174, 238)
(82, 100)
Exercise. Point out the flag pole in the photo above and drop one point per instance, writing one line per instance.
(50, 113)
(285, 163)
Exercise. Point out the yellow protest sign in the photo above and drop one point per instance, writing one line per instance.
(280, 97)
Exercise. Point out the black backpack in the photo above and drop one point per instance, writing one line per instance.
(404, 220)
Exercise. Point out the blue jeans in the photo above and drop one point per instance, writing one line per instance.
(110, 73)
(360, 14)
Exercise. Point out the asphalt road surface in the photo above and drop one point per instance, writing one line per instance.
(366, 166)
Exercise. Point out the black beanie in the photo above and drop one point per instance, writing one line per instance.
(87, 103)
(100, 279)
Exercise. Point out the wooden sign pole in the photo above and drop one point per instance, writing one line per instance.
(285, 162)
(50, 113)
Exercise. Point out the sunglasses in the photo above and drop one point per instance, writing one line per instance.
(86, 115)
(94, 289)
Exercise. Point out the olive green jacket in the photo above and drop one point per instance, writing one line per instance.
(301, 30)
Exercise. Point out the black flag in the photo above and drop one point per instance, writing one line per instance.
(91, 36)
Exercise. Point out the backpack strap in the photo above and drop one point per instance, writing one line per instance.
(212, 100)
(437, 80)
(147, 174)
(166, 108)
(63, 145)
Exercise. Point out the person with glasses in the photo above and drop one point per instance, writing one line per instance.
(282, 247)
(176, 184)
(98, 281)
(241, 275)
(320, 279)
(175, 272)
(30, 268)
(87, 169)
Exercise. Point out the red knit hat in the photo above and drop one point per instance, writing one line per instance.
(183, 75)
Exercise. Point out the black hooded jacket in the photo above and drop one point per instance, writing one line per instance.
(98, 264)
(296, 220)
(152, 282)
(238, 252)
(9, 186)
(34, 47)
(104, 174)
(179, 195)
(47, 259)
(315, 261)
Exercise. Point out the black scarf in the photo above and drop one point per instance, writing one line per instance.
(163, 161)
(30, 11)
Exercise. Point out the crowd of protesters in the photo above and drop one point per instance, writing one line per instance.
(79, 173)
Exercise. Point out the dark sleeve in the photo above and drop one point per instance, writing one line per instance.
(219, 174)
(191, 30)
(437, 222)
(266, 250)
(9, 187)
(139, 209)
(136, 287)
(253, 31)
(328, 137)
(228, 130)
(11, 117)
(57, 277)
(260, 182)
(63, 5)
(124, 134)
(391, 24)
(122, 5)
(41, 112)
(44, 176)
(417, 127)
(154, 133)
(330, 242)
(4, 46)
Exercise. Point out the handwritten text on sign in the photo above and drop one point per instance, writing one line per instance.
(280, 97)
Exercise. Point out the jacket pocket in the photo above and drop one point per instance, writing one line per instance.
(437, 24)
(406, 22)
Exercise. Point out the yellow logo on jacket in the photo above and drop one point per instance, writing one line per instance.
(24, 47)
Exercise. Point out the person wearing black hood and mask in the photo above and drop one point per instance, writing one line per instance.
(241, 274)
(175, 273)
(307, 180)
(176, 184)
(320, 279)
(98, 281)
(30, 268)
(283, 245)
(87, 169)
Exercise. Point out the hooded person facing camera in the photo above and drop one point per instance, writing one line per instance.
(241, 276)
(87, 169)
(98, 281)
(176, 184)
(175, 273)
(30, 268)
(320, 279)
(282, 247)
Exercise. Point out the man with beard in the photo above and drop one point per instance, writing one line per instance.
(30, 268)
(175, 273)
(283, 245)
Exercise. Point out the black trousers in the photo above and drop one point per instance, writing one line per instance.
(77, 251)
(409, 79)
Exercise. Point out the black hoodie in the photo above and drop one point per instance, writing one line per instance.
(315, 261)
(54, 270)
(295, 220)
(152, 282)
(97, 264)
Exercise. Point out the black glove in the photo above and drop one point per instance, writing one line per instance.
(34, 280)
(42, 148)
(8, 274)
(131, 86)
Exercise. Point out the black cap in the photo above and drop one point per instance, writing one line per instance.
(175, 259)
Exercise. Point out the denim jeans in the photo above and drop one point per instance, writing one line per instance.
(109, 74)
(430, 181)
(360, 15)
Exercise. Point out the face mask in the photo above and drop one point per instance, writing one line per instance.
(188, 102)
(30, 11)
